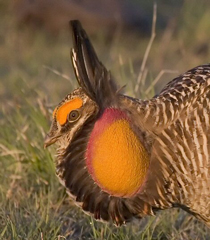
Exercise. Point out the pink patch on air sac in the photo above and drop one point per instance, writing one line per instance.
(109, 116)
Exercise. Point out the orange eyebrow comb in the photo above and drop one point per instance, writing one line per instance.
(66, 108)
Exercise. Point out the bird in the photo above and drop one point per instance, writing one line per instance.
(120, 157)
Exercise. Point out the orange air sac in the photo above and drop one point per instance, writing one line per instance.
(115, 157)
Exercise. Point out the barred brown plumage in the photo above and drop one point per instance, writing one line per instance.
(173, 132)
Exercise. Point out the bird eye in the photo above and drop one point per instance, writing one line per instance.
(73, 115)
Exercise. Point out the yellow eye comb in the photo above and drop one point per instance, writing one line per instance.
(63, 111)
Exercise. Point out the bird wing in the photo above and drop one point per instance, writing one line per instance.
(176, 127)
(180, 154)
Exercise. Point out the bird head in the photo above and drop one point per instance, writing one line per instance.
(69, 117)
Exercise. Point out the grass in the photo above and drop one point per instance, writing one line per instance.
(33, 205)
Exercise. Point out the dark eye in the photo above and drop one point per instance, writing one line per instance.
(73, 115)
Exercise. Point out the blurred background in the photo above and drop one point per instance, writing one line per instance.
(35, 33)
(36, 73)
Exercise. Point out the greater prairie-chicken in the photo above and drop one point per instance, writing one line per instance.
(121, 157)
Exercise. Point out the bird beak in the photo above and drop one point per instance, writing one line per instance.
(49, 140)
